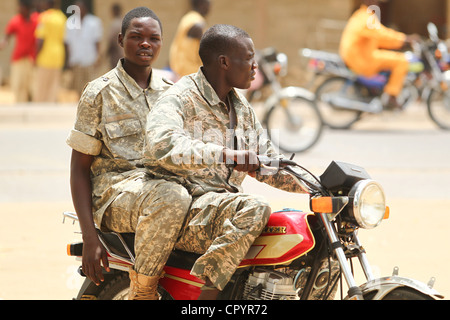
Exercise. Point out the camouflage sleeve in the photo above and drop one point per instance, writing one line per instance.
(170, 145)
(279, 180)
(85, 137)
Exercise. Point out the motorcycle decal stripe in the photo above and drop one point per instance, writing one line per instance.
(271, 249)
(180, 284)
(277, 246)
(192, 283)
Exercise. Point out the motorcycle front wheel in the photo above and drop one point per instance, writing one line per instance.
(438, 104)
(403, 293)
(335, 116)
(294, 124)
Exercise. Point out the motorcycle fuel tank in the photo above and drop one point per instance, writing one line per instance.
(286, 237)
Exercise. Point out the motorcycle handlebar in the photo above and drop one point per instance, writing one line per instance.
(309, 182)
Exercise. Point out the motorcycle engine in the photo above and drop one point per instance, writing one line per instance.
(269, 285)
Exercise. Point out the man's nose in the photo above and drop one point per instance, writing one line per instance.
(145, 44)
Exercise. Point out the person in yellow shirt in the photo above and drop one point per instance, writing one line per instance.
(367, 48)
(184, 56)
(51, 54)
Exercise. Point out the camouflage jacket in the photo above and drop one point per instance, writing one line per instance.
(187, 130)
(110, 125)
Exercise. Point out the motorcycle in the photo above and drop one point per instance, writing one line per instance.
(344, 96)
(299, 255)
(291, 116)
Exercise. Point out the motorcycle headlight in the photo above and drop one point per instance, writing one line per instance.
(369, 204)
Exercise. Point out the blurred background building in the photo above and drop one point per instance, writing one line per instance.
(287, 25)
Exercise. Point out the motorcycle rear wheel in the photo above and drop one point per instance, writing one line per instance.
(333, 116)
(116, 289)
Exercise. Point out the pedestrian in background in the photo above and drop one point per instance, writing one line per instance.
(51, 54)
(184, 57)
(114, 51)
(22, 26)
(83, 47)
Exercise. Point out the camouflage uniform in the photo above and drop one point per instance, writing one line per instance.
(186, 132)
(110, 126)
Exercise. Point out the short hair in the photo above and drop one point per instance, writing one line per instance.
(26, 3)
(139, 12)
(218, 40)
(196, 3)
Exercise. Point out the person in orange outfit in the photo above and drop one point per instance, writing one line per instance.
(184, 57)
(367, 48)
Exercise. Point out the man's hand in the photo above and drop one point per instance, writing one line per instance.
(93, 255)
(245, 161)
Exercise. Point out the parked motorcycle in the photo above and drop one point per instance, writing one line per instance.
(291, 116)
(344, 96)
(298, 256)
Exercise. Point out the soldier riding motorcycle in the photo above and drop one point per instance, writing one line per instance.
(299, 256)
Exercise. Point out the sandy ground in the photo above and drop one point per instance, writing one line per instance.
(34, 264)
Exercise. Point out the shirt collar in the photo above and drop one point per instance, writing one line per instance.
(208, 92)
(156, 82)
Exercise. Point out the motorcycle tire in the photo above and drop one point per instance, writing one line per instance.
(294, 124)
(406, 294)
(438, 104)
(117, 288)
(336, 117)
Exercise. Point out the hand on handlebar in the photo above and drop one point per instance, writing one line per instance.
(243, 160)
(251, 162)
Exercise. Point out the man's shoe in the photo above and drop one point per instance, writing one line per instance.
(143, 287)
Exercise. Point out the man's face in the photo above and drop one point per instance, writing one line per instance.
(142, 41)
(242, 69)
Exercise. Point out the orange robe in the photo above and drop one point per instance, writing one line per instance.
(363, 48)
(184, 57)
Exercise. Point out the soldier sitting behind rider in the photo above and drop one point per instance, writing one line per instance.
(108, 185)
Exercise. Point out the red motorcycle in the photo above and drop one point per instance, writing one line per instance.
(299, 255)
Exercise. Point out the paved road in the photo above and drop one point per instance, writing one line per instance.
(405, 152)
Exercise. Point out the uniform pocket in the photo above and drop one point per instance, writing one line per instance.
(125, 139)
(123, 128)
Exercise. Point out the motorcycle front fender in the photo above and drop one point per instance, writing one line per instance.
(383, 286)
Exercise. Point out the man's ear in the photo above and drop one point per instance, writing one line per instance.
(224, 62)
(120, 40)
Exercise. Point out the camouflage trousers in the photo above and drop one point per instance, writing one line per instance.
(222, 227)
(153, 209)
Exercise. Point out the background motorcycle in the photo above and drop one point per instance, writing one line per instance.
(343, 97)
(291, 116)
(299, 255)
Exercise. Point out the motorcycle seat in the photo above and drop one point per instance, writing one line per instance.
(178, 259)
(182, 259)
